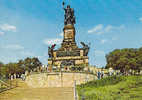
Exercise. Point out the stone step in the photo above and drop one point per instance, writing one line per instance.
(39, 94)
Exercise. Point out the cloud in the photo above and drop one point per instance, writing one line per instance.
(61, 34)
(114, 38)
(108, 28)
(97, 29)
(140, 19)
(52, 41)
(1, 33)
(100, 29)
(103, 41)
(7, 27)
(13, 47)
(14, 56)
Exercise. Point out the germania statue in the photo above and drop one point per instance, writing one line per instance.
(69, 15)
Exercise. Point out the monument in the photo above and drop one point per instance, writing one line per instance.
(69, 54)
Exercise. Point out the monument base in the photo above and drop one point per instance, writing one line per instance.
(69, 56)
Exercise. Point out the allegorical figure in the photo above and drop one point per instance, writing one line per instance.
(69, 15)
(85, 48)
(50, 50)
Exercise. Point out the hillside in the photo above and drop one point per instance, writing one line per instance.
(112, 88)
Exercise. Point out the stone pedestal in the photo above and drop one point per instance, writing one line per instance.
(69, 38)
(68, 54)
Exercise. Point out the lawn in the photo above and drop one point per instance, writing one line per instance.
(112, 88)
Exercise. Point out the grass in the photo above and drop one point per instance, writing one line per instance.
(112, 88)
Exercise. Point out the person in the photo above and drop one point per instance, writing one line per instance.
(83, 97)
(99, 75)
(18, 75)
(102, 74)
(11, 77)
(14, 76)
(23, 77)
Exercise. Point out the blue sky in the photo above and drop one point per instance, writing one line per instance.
(28, 27)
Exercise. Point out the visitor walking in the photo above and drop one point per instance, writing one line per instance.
(99, 75)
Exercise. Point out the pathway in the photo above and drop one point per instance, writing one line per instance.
(23, 92)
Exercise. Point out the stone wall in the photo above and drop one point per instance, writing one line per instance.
(45, 80)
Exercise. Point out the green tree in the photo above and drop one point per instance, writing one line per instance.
(29, 63)
(125, 59)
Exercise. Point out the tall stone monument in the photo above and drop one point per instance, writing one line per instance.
(69, 54)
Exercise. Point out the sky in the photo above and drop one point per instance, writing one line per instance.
(28, 27)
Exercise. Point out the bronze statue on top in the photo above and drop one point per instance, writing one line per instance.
(69, 15)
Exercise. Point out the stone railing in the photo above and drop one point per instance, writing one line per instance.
(7, 85)
(57, 79)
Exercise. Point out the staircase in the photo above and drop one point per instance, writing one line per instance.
(24, 92)
(4, 86)
(38, 94)
(7, 85)
(4, 83)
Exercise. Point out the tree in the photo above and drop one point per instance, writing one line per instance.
(1, 65)
(29, 63)
(125, 59)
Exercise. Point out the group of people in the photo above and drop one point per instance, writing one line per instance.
(100, 74)
(110, 72)
(15, 76)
